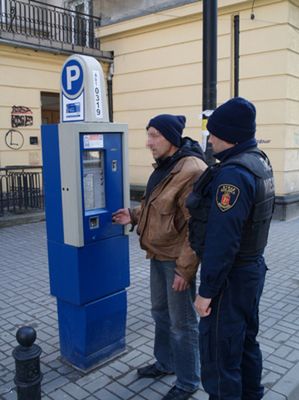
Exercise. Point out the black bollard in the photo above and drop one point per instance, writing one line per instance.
(28, 376)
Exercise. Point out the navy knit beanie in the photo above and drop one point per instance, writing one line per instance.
(170, 126)
(233, 121)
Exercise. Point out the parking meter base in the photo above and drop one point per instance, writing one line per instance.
(79, 275)
(92, 333)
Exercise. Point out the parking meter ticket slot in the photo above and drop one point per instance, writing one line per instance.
(94, 222)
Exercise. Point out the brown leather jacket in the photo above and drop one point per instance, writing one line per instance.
(163, 220)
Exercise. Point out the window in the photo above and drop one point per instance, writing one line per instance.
(82, 26)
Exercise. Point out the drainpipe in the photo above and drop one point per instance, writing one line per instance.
(110, 93)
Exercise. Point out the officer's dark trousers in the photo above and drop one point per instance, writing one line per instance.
(231, 360)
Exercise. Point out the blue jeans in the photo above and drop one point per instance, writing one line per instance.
(176, 345)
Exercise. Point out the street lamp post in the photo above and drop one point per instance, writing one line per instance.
(209, 92)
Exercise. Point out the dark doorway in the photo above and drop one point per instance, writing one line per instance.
(50, 108)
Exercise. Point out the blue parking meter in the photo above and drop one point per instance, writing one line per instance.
(86, 179)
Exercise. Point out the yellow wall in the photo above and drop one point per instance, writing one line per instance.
(24, 74)
(158, 69)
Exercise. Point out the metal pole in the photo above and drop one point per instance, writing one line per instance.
(236, 54)
(209, 92)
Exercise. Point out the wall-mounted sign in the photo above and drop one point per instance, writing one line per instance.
(263, 141)
(14, 139)
(33, 140)
(21, 116)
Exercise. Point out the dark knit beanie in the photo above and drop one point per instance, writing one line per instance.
(233, 121)
(170, 126)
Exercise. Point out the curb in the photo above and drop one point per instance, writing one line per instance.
(20, 219)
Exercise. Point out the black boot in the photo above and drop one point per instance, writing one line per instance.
(151, 371)
(177, 394)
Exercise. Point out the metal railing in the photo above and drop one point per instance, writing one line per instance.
(40, 20)
(21, 189)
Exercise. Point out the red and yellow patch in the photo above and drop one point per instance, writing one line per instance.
(227, 196)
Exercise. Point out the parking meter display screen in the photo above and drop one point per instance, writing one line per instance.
(93, 179)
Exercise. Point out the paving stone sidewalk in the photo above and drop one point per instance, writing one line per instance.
(25, 300)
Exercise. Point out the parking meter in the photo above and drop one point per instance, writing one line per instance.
(85, 169)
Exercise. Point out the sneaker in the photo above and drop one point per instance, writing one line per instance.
(177, 394)
(151, 371)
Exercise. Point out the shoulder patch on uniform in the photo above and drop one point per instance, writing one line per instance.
(227, 196)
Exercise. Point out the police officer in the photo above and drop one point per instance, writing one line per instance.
(231, 208)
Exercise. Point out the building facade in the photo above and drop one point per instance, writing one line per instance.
(35, 40)
(158, 69)
(157, 64)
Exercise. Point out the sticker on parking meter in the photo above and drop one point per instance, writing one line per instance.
(93, 141)
(97, 95)
(73, 109)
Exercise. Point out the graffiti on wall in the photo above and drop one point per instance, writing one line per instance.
(21, 116)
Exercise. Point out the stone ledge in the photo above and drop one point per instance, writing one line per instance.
(10, 219)
(286, 207)
(136, 192)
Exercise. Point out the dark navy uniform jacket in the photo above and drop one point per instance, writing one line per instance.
(232, 192)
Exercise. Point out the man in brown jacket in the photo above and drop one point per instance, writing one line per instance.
(162, 224)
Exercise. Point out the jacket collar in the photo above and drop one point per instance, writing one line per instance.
(175, 169)
(158, 189)
(237, 149)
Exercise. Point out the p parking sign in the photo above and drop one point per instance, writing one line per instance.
(83, 93)
(72, 78)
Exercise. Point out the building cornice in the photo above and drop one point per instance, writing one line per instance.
(173, 16)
